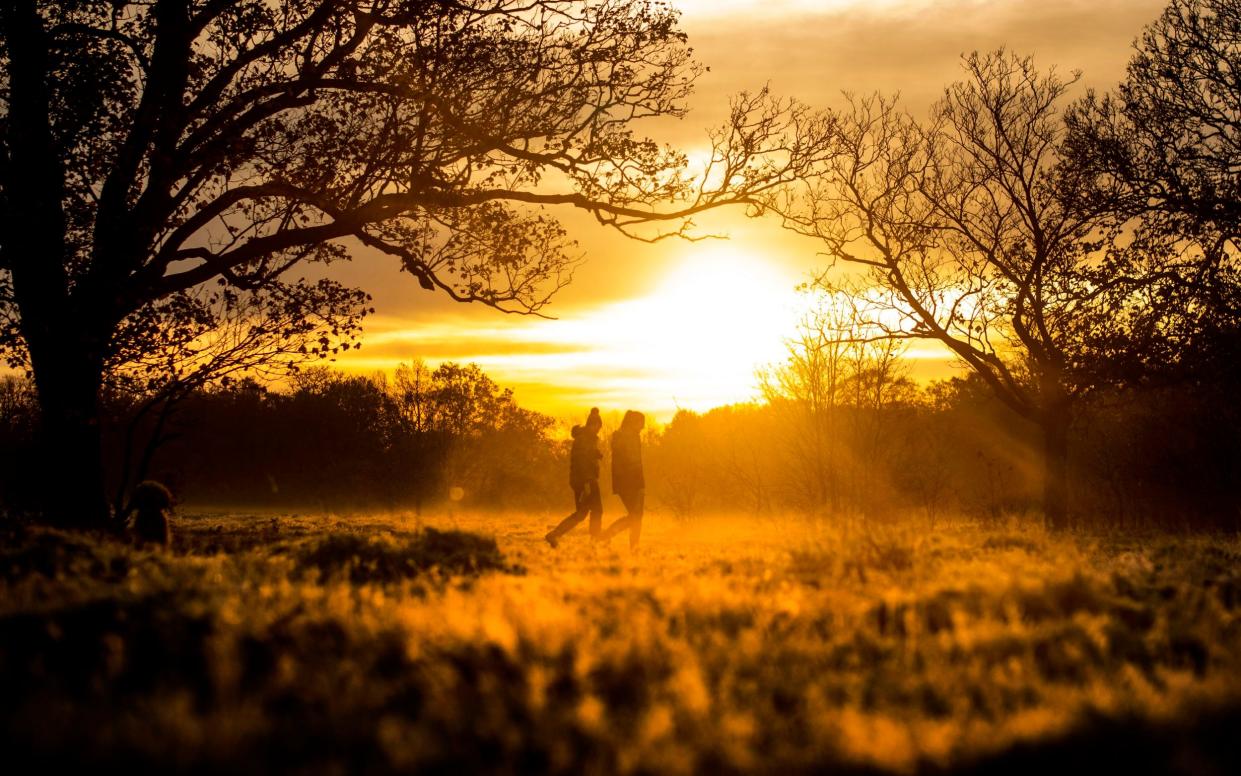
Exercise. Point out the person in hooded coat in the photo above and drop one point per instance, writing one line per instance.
(584, 480)
(627, 479)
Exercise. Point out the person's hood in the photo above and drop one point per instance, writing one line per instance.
(633, 422)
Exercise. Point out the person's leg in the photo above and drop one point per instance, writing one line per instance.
(621, 524)
(633, 512)
(636, 504)
(568, 524)
(594, 502)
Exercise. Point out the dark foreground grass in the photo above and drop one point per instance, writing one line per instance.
(301, 645)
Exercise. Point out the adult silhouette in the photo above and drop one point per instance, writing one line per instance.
(627, 479)
(584, 480)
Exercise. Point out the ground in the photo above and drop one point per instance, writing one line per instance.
(463, 643)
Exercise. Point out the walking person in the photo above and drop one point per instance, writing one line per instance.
(627, 479)
(584, 479)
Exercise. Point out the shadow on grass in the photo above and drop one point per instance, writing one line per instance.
(1201, 744)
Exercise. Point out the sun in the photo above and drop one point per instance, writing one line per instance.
(693, 341)
(709, 323)
(719, 306)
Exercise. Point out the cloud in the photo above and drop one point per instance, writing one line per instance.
(414, 344)
(910, 47)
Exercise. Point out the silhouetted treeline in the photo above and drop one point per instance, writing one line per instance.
(1161, 455)
(328, 439)
(1165, 454)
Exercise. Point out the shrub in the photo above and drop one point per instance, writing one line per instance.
(386, 557)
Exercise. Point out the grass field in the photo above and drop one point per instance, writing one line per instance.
(375, 643)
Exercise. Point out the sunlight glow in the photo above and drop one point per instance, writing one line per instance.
(693, 341)
(708, 324)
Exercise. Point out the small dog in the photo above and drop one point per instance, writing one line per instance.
(148, 513)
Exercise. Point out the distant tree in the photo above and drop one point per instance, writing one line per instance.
(489, 443)
(678, 459)
(455, 398)
(424, 442)
(876, 385)
(841, 371)
(967, 226)
(467, 401)
(18, 410)
(808, 389)
(494, 449)
(217, 334)
(745, 447)
(149, 148)
(412, 388)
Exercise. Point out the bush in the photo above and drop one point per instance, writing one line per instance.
(387, 557)
(25, 551)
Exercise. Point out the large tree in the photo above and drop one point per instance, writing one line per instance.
(970, 230)
(1164, 151)
(149, 148)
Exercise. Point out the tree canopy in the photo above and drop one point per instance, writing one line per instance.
(147, 149)
(1163, 154)
(963, 230)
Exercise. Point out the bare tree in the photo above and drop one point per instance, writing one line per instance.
(808, 388)
(876, 382)
(148, 148)
(413, 389)
(838, 376)
(967, 227)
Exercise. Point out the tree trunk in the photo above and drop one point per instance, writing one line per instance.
(68, 376)
(65, 346)
(1055, 427)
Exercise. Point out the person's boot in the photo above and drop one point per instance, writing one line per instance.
(552, 539)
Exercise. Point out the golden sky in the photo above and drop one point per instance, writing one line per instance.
(680, 324)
